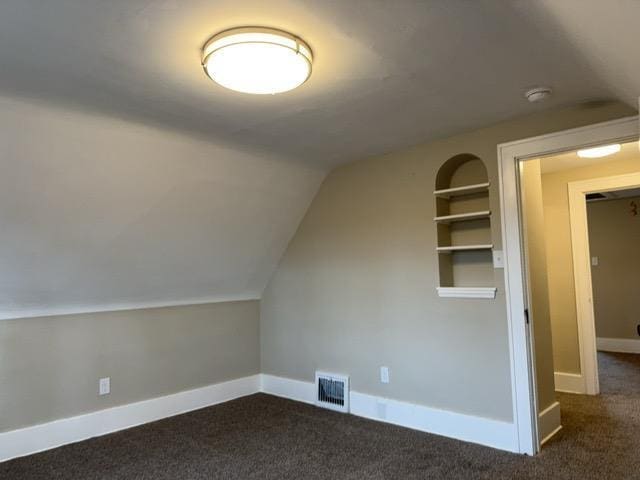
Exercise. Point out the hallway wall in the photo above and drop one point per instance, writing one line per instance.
(562, 298)
(536, 252)
(614, 237)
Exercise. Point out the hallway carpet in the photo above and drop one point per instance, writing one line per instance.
(264, 437)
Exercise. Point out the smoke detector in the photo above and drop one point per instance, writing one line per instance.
(538, 94)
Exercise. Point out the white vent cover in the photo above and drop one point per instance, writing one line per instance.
(332, 391)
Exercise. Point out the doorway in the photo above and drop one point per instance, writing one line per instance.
(555, 192)
(534, 422)
(613, 218)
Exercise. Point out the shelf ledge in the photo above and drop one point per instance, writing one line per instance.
(463, 248)
(461, 217)
(465, 190)
(467, 292)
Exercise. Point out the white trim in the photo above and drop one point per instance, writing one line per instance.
(549, 422)
(465, 190)
(469, 428)
(520, 341)
(569, 383)
(620, 345)
(467, 292)
(37, 438)
(462, 217)
(582, 268)
(288, 388)
(9, 314)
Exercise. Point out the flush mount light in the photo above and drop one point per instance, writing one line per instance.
(257, 60)
(599, 151)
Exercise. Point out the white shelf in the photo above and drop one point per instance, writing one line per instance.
(463, 248)
(461, 217)
(467, 292)
(466, 190)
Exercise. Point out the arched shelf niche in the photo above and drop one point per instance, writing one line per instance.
(463, 225)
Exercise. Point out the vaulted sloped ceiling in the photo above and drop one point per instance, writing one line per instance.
(100, 214)
(129, 178)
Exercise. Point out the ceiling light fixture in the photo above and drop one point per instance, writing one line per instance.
(257, 60)
(599, 151)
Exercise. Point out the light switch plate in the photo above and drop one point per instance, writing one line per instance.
(104, 386)
(595, 261)
(498, 259)
(384, 374)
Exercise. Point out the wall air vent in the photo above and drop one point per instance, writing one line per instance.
(332, 391)
(595, 196)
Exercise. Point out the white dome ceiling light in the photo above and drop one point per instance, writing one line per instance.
(257, 60)
(597, 152)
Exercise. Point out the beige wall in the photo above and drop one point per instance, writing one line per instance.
(560, 268)
(356, 288)
(614, 237)
(536, 252)
(50, 366)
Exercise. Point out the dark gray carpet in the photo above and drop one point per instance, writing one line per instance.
(270, 438)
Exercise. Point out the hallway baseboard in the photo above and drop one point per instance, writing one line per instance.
(569, 383)
(549, 422)
(619, 345)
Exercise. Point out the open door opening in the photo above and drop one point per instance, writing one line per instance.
(570, 203)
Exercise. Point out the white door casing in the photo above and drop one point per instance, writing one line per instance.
(521, 348)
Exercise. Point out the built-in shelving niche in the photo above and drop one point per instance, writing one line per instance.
(463, 224)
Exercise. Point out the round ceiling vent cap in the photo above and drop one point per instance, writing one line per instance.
(538, 94)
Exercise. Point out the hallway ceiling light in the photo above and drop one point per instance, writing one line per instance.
(597, 152)
(257, 60)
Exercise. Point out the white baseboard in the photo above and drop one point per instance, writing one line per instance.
(485, 431)
(549, 422)
(620, 345)
(570, 383)
(37, 438)
(25, 441)
(288, 388)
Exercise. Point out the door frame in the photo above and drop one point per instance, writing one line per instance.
(521, 348)
(582, 268)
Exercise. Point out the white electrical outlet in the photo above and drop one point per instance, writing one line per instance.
(104, 386)
(384, 374)
(595, 261)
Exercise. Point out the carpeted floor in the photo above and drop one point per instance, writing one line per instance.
(264, 437)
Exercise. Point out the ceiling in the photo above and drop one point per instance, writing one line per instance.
(99, 214)
(129, 179)
(569, 160)
(386, 74)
